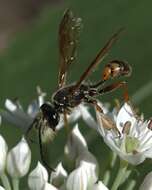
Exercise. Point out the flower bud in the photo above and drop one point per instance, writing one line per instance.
(38, 178)
(3, 151)
(78, 179)
(58, 177)
(76, 144)
(19, 159)
(147, 183)
(90, 166)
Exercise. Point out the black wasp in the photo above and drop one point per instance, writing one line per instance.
(69, 96)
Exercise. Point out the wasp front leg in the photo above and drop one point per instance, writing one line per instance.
(107, 123)
(94, 102)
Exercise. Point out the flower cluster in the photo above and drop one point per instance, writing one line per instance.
(84, 176)
(126, 134)
(15, 162)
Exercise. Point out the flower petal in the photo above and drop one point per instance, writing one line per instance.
(125, 114)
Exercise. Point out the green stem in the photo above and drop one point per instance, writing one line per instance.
(131, 185)
(15, 182)
(106, 177)
(120, 175)
(5, 181)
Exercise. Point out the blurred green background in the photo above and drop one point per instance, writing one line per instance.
(31, 59)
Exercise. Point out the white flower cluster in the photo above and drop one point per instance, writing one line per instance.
(83, 177)
(15, 162)
(127, 135)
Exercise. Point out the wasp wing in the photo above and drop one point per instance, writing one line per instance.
(69, 30)
(99, 57)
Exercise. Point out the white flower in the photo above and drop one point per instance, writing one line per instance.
(19, 159)
(76, 144)
(129, 136)
(38, 178)
(3, 152)
(147, 183)
(59, 176)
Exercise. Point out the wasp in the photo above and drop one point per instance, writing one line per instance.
(68, 96)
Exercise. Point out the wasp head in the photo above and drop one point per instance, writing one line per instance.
(50, 115)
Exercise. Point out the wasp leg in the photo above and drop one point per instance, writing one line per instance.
(115, 86)
(94, 102)
(96, 85)
(42, 153)
(105, 119)
(29, 130)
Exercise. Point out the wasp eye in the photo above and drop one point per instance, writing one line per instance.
(50, 114)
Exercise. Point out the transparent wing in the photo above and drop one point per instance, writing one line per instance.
(99, 57)
(69, 31)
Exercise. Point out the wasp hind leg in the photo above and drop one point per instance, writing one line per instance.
(114, 86)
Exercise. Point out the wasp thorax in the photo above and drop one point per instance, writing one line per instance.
(50, 115)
